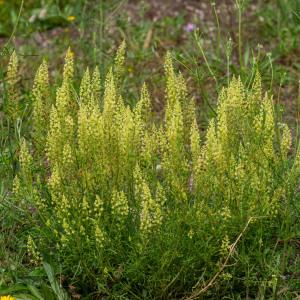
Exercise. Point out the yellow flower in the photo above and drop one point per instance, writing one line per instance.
(6, 297)
(191, 233)
(69, 18)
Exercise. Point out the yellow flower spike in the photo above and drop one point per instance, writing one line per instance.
(62, 101)
(256, 86)
(68, 72)
(174, 160)
(151, 214)
(85, 212)
(85, 92)
(145, 105)
(25, 157)
(150, 147)
(11, 79)
(169, 70)
(286, 141)
(126, 134)
(110, 98)
(35, 257)
(99, 237)
(12, 69)
(195, 142)
(141, 116)
(268, 127)
(191, 233)
(96, 86)
(61, 127)
(53, 144)
(68, 157)
(119, 206)
(41, 82)
(173, 140)
(171, 88)
(26, 162)
(65, 207)
(160, 196)
(82, 121)
(225, 246)
(119, 62)
(90, 136)
(55, 179)
(41, 105)
(138, 180)
(112, 122)
(98, 207)
(196, 156)
(256, 94)
(17, 187)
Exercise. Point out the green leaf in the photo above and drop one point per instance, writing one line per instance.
(34, 291)
(46, 292)
(59, 292)
(12, 289)
(38, 272)
(25, 297)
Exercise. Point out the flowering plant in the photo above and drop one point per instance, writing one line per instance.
(123, 203)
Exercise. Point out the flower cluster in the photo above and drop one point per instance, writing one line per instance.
(110, 183)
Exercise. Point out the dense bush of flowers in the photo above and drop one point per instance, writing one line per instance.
(126, 205)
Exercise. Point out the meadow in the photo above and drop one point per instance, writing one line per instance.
(149, 149)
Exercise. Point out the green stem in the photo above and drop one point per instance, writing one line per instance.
(240, 39)
(205, 59)
(219, 31)
(16, 25)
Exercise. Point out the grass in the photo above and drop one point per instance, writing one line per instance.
(263, 38)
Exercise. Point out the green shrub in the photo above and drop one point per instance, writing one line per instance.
(128, 206)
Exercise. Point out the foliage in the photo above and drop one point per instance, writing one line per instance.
(30, 291)
(126, 206)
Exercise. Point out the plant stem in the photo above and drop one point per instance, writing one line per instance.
(240, 39)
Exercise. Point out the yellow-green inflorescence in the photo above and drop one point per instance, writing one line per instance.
(112, 174)
(12, 101)
(41, 106)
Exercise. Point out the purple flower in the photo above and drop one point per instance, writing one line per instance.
(189, 27)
